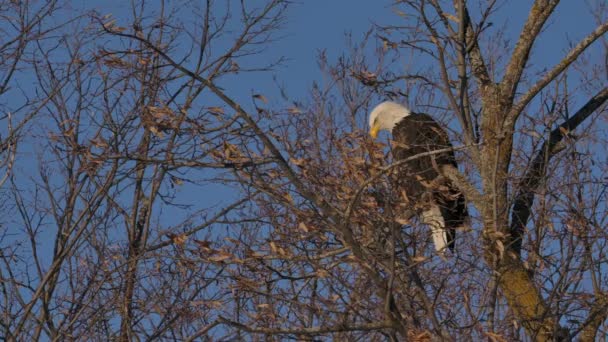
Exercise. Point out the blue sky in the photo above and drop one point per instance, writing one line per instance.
(315, 25)
(312, 26)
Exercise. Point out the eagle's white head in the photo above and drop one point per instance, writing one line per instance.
(385, 116)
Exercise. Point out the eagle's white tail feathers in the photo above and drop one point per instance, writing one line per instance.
(434, 220)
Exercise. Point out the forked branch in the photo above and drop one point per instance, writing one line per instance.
(540, 12)
(553, 73)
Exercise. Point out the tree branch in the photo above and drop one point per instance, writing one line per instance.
(464, 111)
(551, 75)
(457, 107)
(470, 193)
(478, 65)
(524, 200)
(526, 301)
(540, 12)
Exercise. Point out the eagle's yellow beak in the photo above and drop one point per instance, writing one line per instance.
(374, 130)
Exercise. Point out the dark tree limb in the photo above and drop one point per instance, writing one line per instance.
(524, 200)
(443, 66)
(478, 65)
(464, 109)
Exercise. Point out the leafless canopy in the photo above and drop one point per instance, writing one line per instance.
(148, 196)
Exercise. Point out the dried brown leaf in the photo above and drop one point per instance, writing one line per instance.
(260, 97)
(321, 273)
(155, 131)
(495, 337)
(294, 110)
(108, 25)
(221, 256)
(216, 110)
(419, 258)
(298, 161)
(99, 142)
(179, 239)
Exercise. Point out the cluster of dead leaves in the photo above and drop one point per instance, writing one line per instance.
(204, 250)
(160, 120)
(341, 175)
(366, 77)
(276, 249)
(115, 62)
(419, 336)
(92, 154)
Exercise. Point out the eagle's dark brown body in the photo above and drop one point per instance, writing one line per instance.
(420, 178)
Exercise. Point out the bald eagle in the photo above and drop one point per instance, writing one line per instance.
(439, 203)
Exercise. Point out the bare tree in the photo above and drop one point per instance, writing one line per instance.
(141, 123)
(24, 25)
(120, 134)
